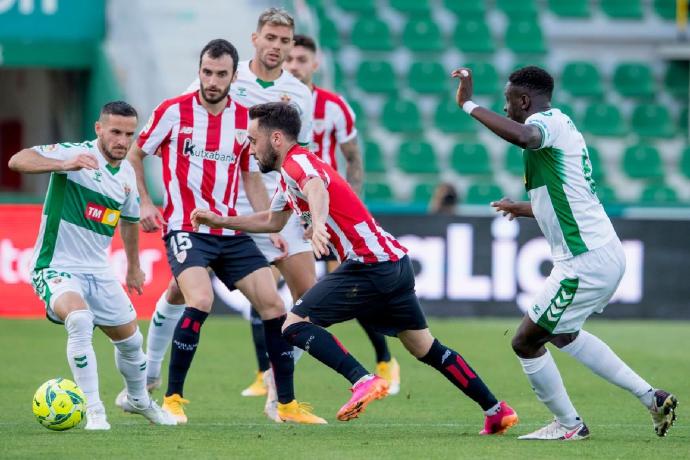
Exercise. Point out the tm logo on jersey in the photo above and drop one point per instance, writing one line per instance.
(101, 214)
(191, 150)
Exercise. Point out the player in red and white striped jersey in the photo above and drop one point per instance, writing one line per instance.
(374, 284)
(202, 137)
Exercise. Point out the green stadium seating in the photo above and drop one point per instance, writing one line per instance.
(429, 78)
(581, 78)
(483, 193)
(658, 194)
(666, 9)
(622, 9)
(411, 6)
(373, 158)
(472, 35)
(634, 79)
(652, 120)
(513, 160)
(338, 78)
(329, 37)
(606, 194)
(683, 120)
(598, 171)
(603, 119)
(377, 191)
(357, 6)
(566, 109)
(524, 36)
(518, 9)
(371, 34)
(423, 192)
(417, 157)
(401, 116)
(676, 79)
(642, 161)
(450, 119)
(570, 8)
(466, 8)
(497, 106)
(422, 35)
(376, 77)
(470, 159)
(360, 115)
(485, 78)
(685, 162)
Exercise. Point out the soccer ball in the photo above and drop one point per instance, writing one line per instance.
(59, 404)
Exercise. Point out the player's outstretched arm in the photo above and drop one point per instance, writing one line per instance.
(354, 170)
(525, 136)
(31, 162)
(319, 200)
(150, 217)
(260, 222)
(513, 209)
(130, 240)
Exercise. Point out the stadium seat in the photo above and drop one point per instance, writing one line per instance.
(417, 157)
(377, 191)
(373, 158)
(470, 159)
(429, 78)
(606, 194)
(524, 36)
(666, 9)
(485, 78)
(423, 192)
(513, 9)
(570, 8)
(658, 194)
(466, 8)
(685, 162)
(357, 6)
(376, 77)
(450, 119)
(513, 160)
(371, 34)
(360, 115)
(411, 6)
(401, 116)
(652, 120)
(422, 35)
(581, 78)
(683, 120)
(472, 35)
(497, 106)
(603, 119)
(634, 79)
(566, 109)
(483, 193)
(676, 79)
(642, 161)
(598, 171)
(622, 9)
(329, 37)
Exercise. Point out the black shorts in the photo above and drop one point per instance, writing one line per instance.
(231, 257)
(381, 295)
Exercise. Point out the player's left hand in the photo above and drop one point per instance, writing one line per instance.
(280, 243)
(205, 217)
(465, 85)
(319, 240)
(135, 280)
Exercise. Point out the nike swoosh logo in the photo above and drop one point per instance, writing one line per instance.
(570, 434)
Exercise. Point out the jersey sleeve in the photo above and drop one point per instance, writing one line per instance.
(300, 168)
(548, 124)
(344, 122)
(158, 128)
(130, 208)
(62, 151)
(279, 203)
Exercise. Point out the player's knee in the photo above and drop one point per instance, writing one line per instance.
(200, 301)
(521, 345)
(132, 345)
(293, 329)
(271, 307)
(79, 323)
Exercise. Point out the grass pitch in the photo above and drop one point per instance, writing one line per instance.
(428, 419)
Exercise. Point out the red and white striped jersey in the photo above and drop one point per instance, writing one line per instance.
(202, 157)
(354, 234)
(334, 124)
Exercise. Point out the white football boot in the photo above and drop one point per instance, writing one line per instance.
(554, 431)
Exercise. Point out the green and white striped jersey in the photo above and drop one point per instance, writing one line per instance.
(82, 209)
(558, 179)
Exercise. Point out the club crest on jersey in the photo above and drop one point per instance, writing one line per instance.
(128, 189)
(49, 148)
(241, 136)
(319, 125)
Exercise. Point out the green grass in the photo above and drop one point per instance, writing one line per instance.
(428, 419)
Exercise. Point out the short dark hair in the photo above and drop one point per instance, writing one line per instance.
(277, 115)
(120, 108)
(533, 78)
(218, 47)
(306, 42)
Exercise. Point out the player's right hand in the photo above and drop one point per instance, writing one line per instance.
(150, 217)
(465, 85)
(80, 161)
(508, 207)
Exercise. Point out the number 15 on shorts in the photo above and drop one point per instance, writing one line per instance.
(180, 243)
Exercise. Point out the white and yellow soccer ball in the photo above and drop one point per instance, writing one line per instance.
(59, 404)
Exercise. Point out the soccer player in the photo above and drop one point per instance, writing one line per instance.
(334, 127)
(589, 261)
(375, 283)
(91, 190)
(202, 137)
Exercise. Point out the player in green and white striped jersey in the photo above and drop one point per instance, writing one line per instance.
(589, 261)
(91, 189)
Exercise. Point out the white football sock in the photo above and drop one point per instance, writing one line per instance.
(80, 354)
(547, 384)
(160, 334)
(596, 355)
(131, 362)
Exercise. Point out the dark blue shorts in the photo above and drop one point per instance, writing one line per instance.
(231, 257)
(381, 295)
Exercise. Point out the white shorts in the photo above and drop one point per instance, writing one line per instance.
(293, 233)
(102, 292)
(578, 287)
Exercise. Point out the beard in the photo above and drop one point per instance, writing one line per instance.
(109, 153)
(210, 100)
(271, 160)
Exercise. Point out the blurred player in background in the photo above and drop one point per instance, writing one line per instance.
(375, 282)
(589, 261)
(91, 190)
(202, 136)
